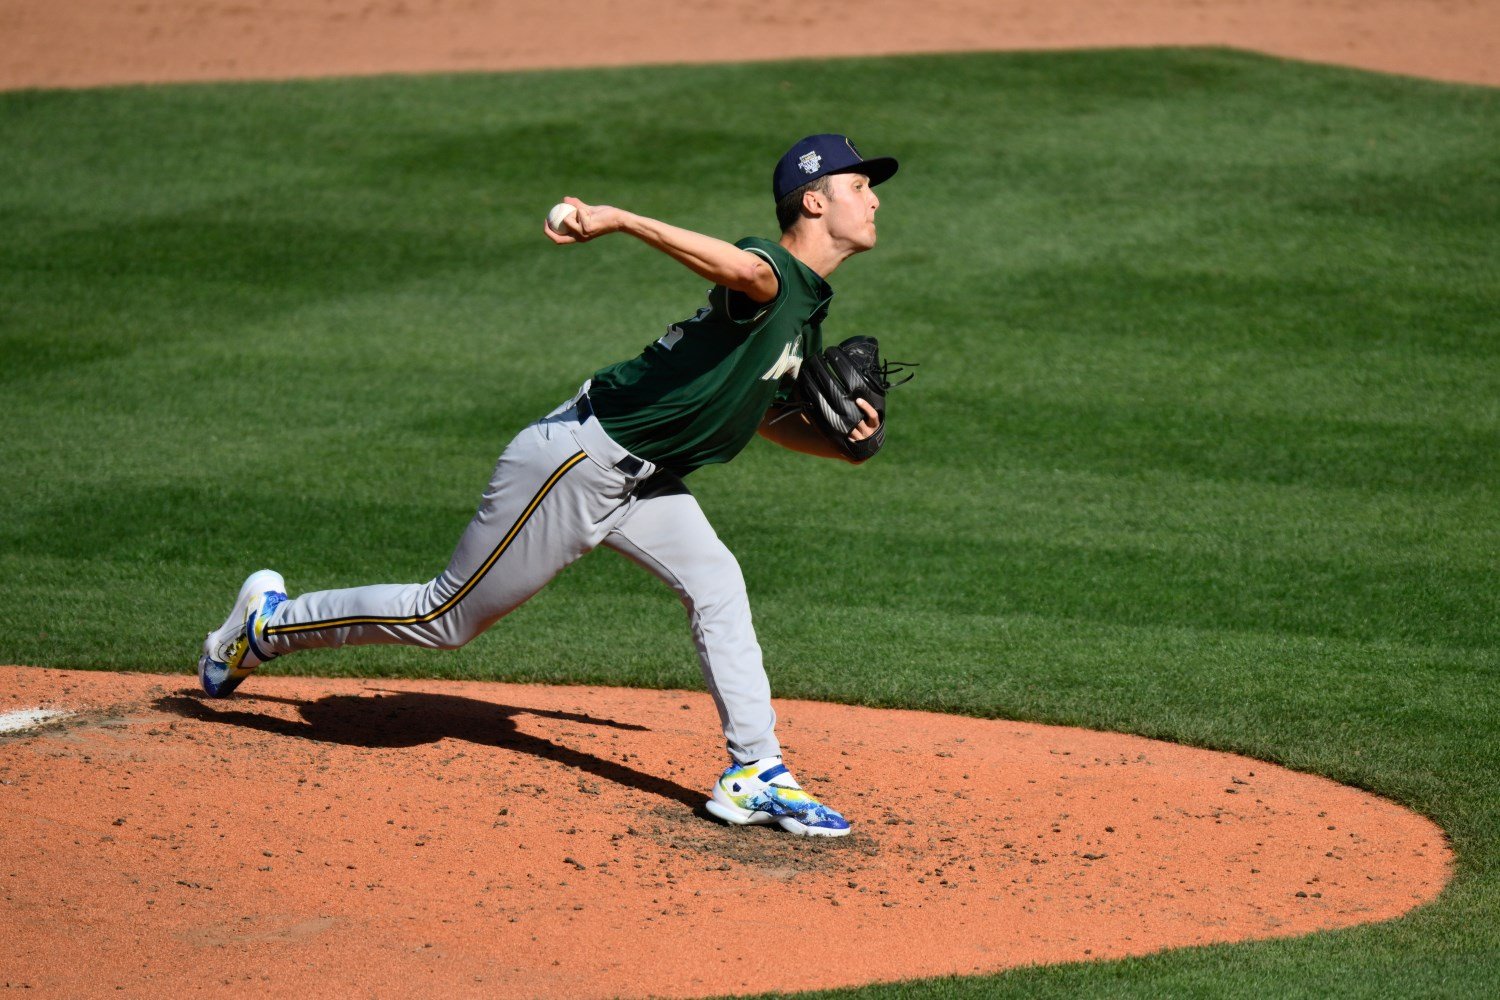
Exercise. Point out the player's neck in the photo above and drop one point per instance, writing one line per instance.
(816, 249)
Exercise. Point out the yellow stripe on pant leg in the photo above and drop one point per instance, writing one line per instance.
(473, 581)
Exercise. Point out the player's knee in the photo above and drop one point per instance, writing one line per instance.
(450, 638)
(461, 625)
(720, 590)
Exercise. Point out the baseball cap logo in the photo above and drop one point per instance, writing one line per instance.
(819, 155)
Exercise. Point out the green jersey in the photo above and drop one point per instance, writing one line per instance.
(697, 395)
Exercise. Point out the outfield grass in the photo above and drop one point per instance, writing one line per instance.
(1205, 444)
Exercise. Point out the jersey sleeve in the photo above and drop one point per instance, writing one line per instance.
(741, 308)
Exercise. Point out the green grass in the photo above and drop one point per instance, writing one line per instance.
(1205, 444)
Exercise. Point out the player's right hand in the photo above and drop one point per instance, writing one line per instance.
(588, 223)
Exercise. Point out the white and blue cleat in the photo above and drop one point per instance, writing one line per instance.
(764, 793)
(232, 653)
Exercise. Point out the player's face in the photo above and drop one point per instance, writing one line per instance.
(851, 210)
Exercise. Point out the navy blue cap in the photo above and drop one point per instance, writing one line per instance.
(821, 155)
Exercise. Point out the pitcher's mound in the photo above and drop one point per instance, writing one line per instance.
(350, 838)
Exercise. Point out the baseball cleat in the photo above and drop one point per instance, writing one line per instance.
(765, 792)
(232, 653)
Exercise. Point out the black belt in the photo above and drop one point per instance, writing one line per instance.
(630, 465)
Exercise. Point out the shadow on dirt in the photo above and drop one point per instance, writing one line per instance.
(396, 719)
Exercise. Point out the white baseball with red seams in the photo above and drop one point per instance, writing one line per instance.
(558, 216)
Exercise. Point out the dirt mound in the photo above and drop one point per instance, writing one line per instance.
(340, 837)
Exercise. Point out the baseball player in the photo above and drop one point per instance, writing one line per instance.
(606, 468)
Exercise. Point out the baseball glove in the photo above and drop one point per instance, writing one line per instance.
(828, 385)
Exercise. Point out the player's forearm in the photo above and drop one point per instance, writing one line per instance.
(710, 258)
(795, 433)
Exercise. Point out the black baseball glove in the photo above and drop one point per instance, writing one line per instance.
(828, 385)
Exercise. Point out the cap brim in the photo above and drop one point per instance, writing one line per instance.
(879, 170)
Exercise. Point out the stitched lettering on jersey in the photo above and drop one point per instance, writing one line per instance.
(674, 333)
(790, 362)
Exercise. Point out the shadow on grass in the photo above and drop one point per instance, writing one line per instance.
(410, 718)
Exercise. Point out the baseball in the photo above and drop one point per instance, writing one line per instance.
(558, 216)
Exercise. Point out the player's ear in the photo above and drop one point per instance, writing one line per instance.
(814, 202)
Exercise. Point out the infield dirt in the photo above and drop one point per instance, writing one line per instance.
(343, 837)
(90, 42)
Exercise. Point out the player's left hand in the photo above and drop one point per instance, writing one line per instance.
(842, 393)
(587, 223)
(869, 425)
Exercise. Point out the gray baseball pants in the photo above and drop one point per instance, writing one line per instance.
(558, 492)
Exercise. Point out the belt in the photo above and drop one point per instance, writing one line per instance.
(630, 465)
